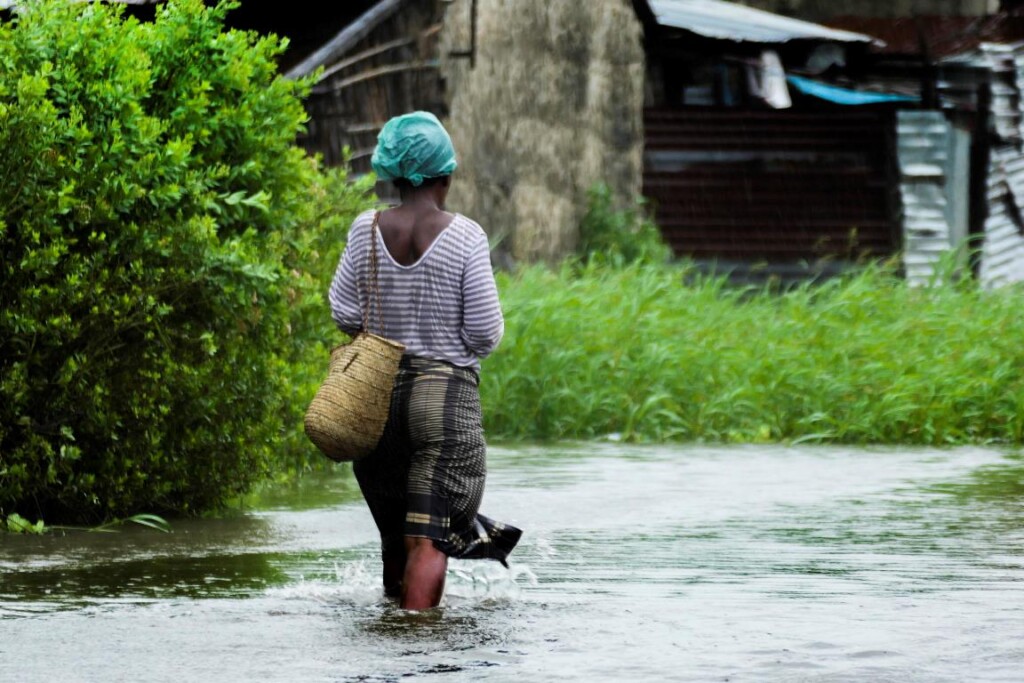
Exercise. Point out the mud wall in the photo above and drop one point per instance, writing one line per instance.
(550, 104)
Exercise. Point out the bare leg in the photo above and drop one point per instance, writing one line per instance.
(423, 582)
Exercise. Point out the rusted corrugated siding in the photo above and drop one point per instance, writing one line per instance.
(772, 186)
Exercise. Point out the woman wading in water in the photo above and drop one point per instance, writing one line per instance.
(424, 482)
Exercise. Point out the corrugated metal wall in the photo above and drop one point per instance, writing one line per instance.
(1002, 250)
(998, 70)
(774, 186)
(924, 144)
(933, 179)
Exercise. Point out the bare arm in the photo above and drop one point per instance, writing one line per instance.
(346, 308)
(482, 322)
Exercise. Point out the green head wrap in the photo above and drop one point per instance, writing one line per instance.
(415, 147)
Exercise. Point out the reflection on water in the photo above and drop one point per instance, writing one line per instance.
(638, 563)
(315, 490)
(157, 577)
(1001, 483)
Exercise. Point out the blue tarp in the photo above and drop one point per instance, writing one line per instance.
(839, 95)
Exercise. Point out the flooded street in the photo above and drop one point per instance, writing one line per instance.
(666, 563)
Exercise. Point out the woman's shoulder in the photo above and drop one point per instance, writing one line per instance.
(469, 228)
(365, 219)
(360, 227)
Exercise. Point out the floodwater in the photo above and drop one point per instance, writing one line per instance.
(679, 563)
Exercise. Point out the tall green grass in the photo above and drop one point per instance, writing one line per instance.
(633, 351)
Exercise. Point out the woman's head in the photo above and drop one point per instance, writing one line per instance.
(413, 148)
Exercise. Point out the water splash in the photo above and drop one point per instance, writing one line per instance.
(353, 583)
(358, 583)
(471, 582)
(544, 548)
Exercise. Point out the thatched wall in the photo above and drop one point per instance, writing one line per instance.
(553, 105)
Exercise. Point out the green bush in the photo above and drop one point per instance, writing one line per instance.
(635, 352)
(155, 227)
(312, 256)
(617, 236)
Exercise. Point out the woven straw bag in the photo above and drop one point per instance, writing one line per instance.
(347, 416)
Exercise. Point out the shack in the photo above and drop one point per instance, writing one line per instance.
(682, 96)
(962, 154)
(767, 145)
(755, 163)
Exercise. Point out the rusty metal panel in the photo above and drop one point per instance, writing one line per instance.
(772, 186)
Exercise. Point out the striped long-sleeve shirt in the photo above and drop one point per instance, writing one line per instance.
(445, 306)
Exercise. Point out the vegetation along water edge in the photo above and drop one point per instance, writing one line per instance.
(632, 351)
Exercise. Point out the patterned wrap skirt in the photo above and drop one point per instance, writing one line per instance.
(426, 477)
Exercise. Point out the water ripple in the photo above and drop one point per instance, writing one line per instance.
(638, 564)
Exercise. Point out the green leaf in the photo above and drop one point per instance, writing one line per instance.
(19, 525)
(151, 521)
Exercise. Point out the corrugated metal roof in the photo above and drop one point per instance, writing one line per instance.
(729, 21)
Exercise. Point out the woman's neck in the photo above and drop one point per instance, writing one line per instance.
(421, 199)
(420, 204)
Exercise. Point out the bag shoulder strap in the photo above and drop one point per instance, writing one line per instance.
(373, 280)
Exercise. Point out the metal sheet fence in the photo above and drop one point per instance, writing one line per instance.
(774, 186)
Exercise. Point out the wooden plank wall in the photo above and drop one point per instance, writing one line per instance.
(392, 71)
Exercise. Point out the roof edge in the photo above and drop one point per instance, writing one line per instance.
(346, 38)
(799, 29)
